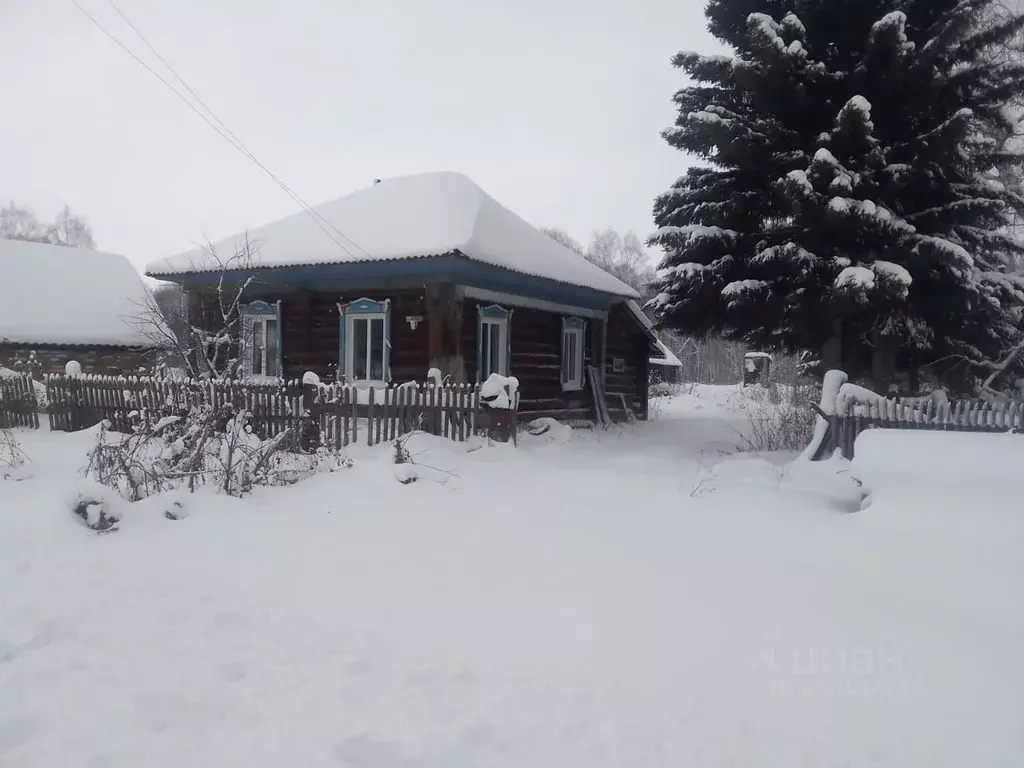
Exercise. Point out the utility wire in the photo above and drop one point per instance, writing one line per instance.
(222, 130)
(224, 126)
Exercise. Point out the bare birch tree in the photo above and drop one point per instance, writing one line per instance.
(213, 349)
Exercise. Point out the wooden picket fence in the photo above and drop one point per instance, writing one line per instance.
(958, 416)
(330, 415)
(18, 402)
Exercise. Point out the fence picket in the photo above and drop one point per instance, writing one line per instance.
(79, 402)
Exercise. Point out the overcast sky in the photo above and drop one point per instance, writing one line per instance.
(552, 106)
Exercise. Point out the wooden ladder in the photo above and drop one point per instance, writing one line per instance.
(600, 401)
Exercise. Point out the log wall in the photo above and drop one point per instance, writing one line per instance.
(626, 341)
(106, 361)
(536, 340)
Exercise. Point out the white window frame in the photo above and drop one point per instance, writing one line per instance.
(260, 321)
(350, 346)
(572, 328)
(502, 325)
(255, 316)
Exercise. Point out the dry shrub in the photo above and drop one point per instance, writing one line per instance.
(208, 446)
(779, 417)
(11, 455)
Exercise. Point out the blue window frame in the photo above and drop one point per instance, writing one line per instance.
(364, 347)
(493, 341)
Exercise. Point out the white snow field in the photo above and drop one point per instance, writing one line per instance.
(636, 597)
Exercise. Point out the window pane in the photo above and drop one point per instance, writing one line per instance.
(377, 349)
(495, 348)
(485, 351)
(257, 347)
(271, 326)
(359, 349)
(572, 357)
(565, 356)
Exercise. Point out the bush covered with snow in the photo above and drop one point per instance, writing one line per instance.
(206, 447)
(12, 458)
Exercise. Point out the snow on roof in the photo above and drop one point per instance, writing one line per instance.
(51, 294)
(668, 357)
(429, 214)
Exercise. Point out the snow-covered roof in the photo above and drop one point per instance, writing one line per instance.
(429, 214)
(667, 357)
(51, 294)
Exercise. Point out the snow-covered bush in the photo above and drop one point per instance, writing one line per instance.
(287, 468)
(12, 458)
(136, 465)
(208, 446)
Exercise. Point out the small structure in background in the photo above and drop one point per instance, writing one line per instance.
(757, 368)
(61, 304)
(665, 366)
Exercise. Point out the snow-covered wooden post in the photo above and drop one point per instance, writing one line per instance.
(823, 443)
(499, 396)
(309, 419)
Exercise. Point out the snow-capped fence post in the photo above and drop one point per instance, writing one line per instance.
(307, 412)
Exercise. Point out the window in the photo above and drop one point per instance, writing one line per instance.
(261, 351)
(365, 340)
(573, 336)
(492, 341)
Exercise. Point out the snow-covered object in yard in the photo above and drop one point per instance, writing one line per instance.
(434, 375)
(99, 507)
(500, 391)
(310, 378)
(51, 294)
(546, 430)
(72, 368)
(896, 459)
(830, 387)
(430, 214)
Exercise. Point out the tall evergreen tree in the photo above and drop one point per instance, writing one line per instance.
(852, 198)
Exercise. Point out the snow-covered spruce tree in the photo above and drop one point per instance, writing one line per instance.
(853, 197)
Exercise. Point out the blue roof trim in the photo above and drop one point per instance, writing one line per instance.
(259, 307)
(366, 306)
(403, 273)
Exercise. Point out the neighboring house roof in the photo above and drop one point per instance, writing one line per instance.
(430, 214)
(666, 356)
(51, 294)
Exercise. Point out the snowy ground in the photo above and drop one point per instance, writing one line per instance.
(639, 597)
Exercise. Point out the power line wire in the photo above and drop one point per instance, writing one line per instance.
(224, 126)
(224, 132)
